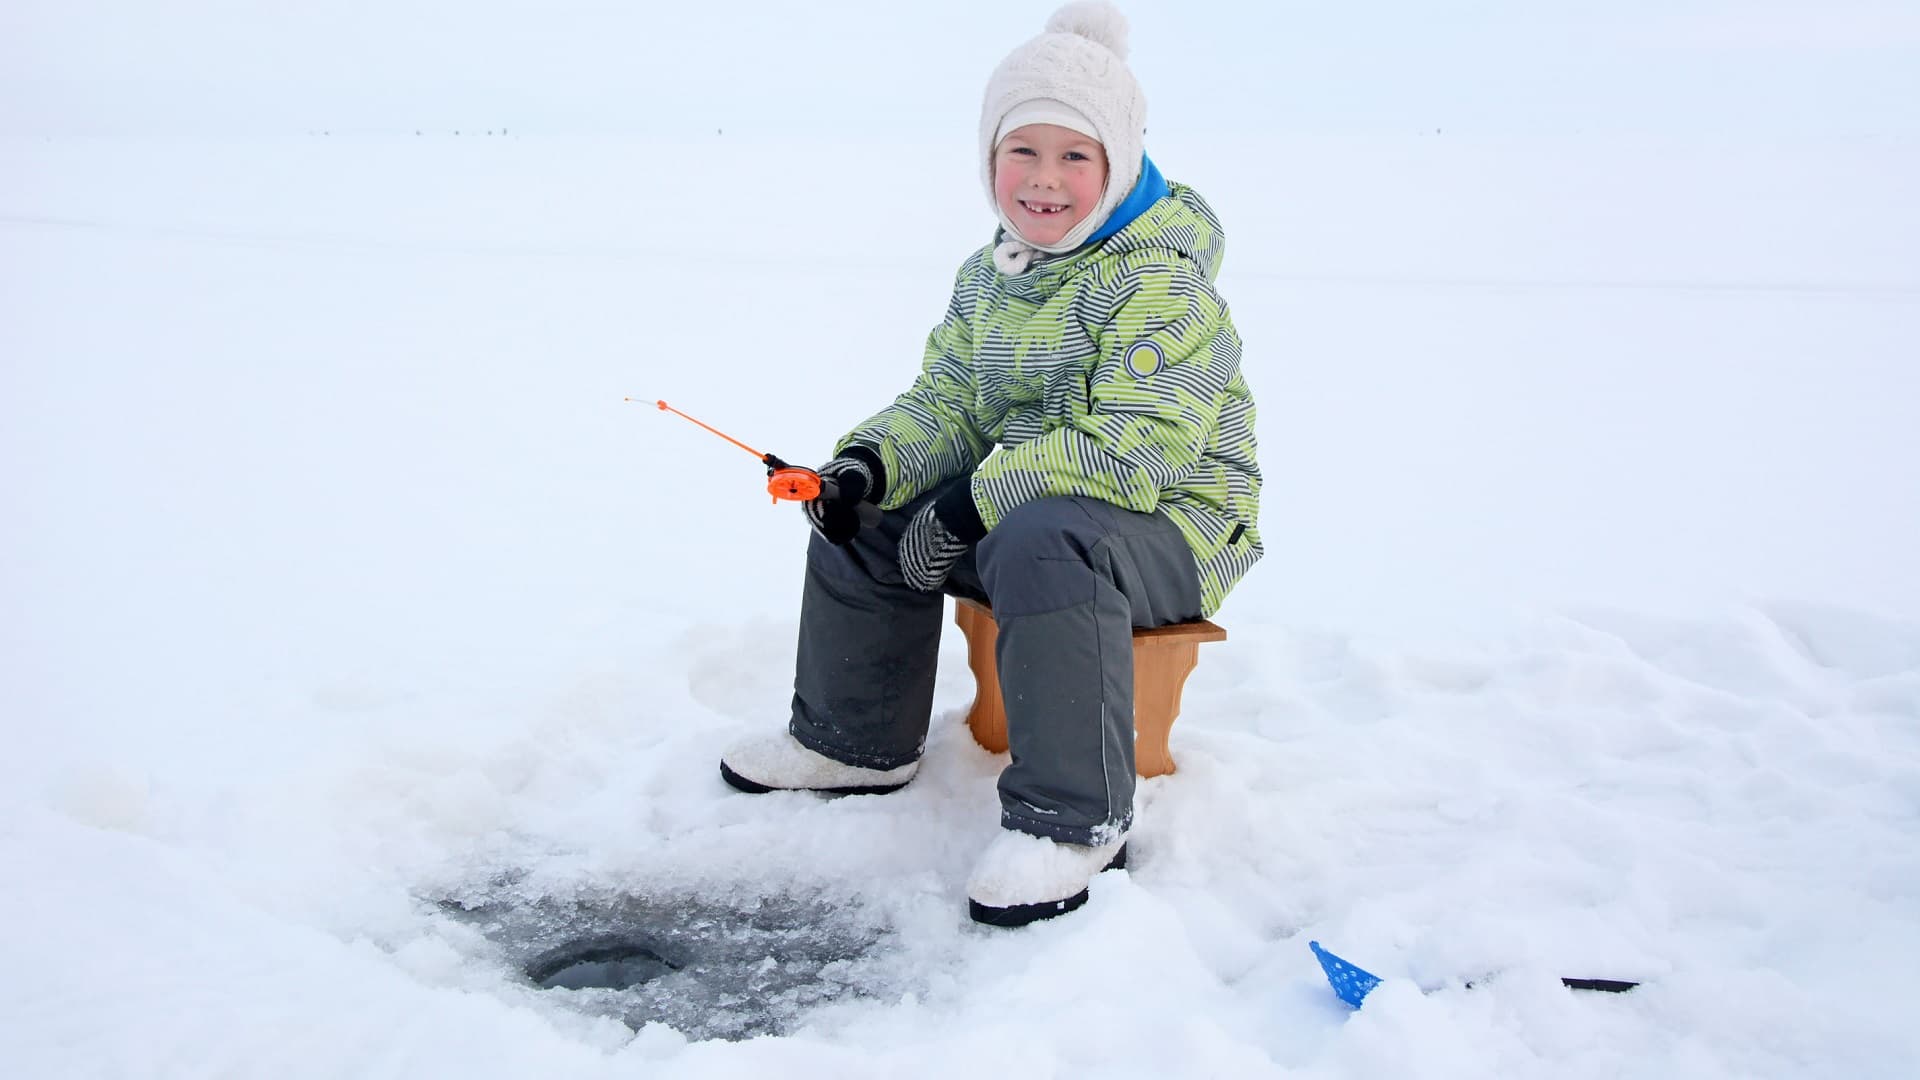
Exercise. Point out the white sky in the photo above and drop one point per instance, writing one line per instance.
(1468, 66)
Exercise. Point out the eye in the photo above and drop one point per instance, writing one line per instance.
(1027, 150)
(1075, 155)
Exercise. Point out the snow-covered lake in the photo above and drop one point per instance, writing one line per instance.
(342, 597)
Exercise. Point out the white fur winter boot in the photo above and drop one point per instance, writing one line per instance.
(1022, 878)
(775, 761)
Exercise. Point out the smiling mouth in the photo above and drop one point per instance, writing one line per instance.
(1042, 209)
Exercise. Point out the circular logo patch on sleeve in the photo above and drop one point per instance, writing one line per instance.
(1143, 359)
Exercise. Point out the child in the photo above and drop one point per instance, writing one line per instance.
(1078, 452)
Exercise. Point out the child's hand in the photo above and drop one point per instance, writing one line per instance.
(835, 514)
(928, 550)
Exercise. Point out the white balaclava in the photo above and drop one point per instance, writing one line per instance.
(1074, 75)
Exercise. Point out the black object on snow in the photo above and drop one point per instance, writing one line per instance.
(1605, 986)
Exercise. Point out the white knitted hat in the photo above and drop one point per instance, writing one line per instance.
(1079, 62)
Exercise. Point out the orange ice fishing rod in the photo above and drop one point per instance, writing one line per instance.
(784, 481)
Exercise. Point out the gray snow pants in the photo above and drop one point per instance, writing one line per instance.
(1068, 579)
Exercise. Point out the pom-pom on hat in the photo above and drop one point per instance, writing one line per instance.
(1080, 64)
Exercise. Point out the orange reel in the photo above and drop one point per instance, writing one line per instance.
(791, 482)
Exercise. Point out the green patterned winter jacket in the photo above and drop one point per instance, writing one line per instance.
(1113, 372)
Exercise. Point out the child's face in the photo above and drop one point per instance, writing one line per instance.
(1047, 179)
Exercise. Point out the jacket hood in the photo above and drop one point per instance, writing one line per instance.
(1181, 222)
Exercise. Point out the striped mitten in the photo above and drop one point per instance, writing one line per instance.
(938, 535)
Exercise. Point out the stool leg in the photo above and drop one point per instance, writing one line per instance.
(987, 717)
(1160, 673)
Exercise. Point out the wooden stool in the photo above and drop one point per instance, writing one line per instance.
(1162, 659)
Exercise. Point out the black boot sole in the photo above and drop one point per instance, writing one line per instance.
(741, 783)
(1022, 914)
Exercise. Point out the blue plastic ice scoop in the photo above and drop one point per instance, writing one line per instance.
(1350, 982)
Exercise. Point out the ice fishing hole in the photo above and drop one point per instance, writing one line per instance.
(730, 963)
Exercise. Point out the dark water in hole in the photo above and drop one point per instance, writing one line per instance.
(727, 967)
(606, 964)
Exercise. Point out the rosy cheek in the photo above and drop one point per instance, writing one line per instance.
(1005, 184)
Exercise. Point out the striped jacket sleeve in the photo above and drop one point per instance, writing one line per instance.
(1166, 353)
(928, 433)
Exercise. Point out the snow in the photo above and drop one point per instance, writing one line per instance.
(360, 641)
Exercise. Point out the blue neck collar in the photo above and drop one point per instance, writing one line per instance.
(1149, 189)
